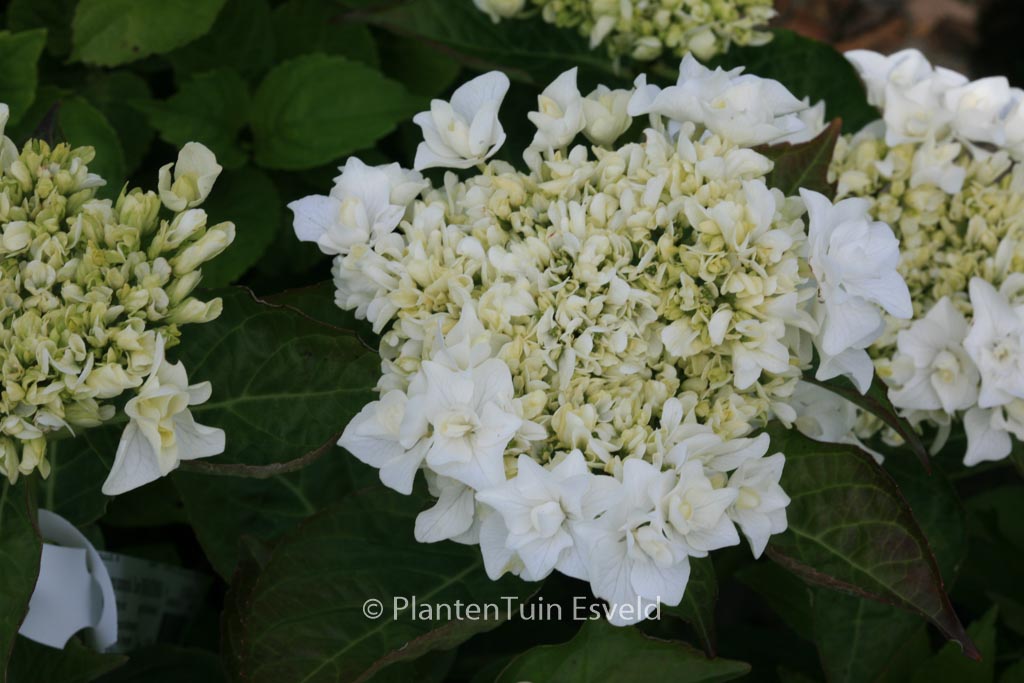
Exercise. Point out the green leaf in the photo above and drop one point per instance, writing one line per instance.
(284, 387)
(950, 666)
(809, 69)
(169, 664)
(20, 552)
(112, 92)
(316, 108)
(602, 653)
(79, 467)
(53, 15)
(850, 529)
(241, 40)
(19, 55)
(876, 401)
(785, 594)
(422, 68)
(306, 26)
(698, 605)
(304, 621)
(317, 302)
(76, 663)
(248, 198)
(113, 32)
(859, 639)
(211, 108)
(804, 165)
(82, 124)
(533, 50)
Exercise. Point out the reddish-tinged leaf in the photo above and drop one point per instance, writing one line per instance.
(805, 164)
(851, 529)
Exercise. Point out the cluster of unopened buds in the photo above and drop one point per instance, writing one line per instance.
(647, 29)
(92, 293)
(580, 356)
(942, 167)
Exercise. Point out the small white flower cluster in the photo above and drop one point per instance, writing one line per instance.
(940, 168)
(645, 29)
(577, 355)
(90, 292)
(922, 103)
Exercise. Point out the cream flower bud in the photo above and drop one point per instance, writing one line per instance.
(139, 209)
(500, 9)
(182, 287)
(205, 248)
(606, 115)
(195, 172)
(195, 311)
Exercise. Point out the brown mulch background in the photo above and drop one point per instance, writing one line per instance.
(978, 37)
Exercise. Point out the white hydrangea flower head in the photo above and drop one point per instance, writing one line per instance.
(92, 293)
(577, 354)
(464, 131)
(948, 180)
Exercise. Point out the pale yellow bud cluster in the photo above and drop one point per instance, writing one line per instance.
(646, 29)
(86, 285)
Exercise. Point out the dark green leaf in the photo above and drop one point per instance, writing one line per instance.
(81, 124)
(248, 198)
(53, 15)
(303, 27)
(317, 302)
(422, 68)
(76, 663)
(79, 467)
(950, 666)
(859, 639)
(19, 55)
(242, 40)
(303, 619)
(876, 401)
(156, 504)
(786, 595)
(284, 387)
(698, 605)
(850, 529)
(168, 664)
(804, 165)
(315, 109)
(532, 50)
(602, 653)
(212, 108)
(111, 92)
(809, 69)
(20, 551)
(112, 32)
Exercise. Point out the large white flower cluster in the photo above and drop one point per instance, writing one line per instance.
(941, 169)
(91, 291)
(578, 355)
(647, 29)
